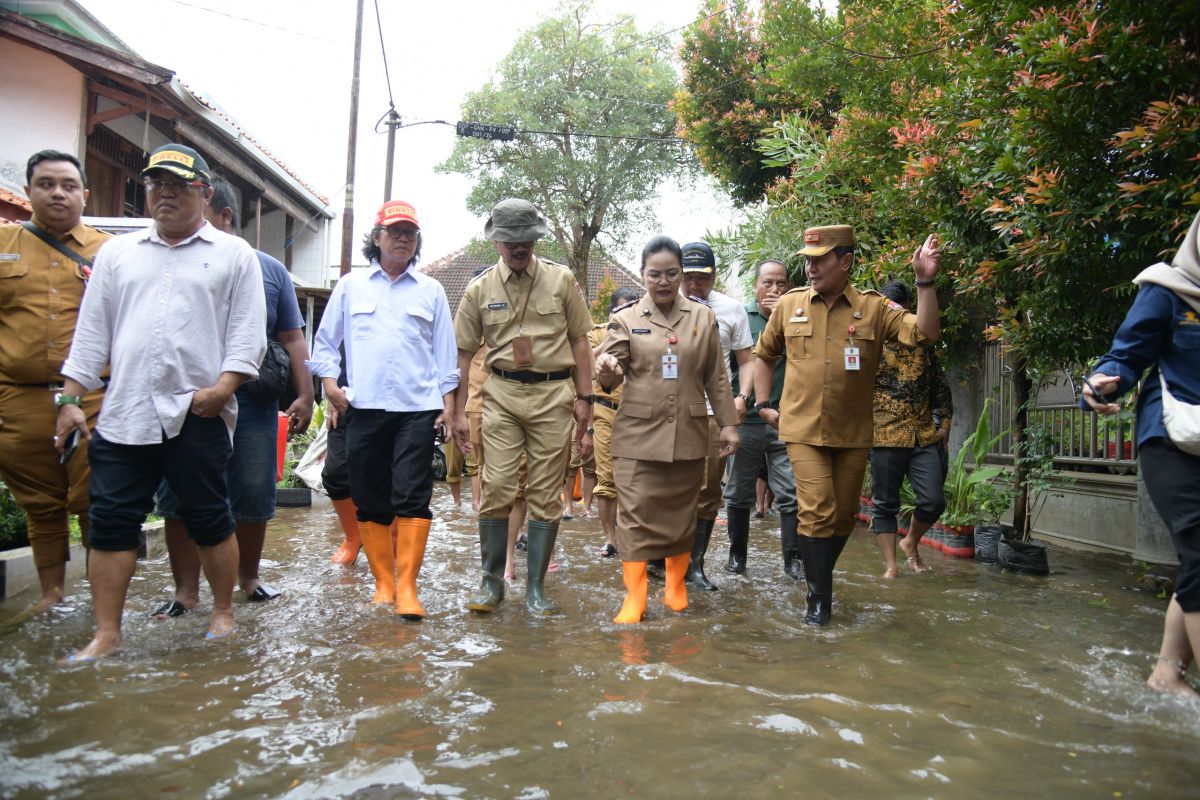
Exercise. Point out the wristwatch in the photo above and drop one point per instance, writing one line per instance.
(744, 398)
(587, 398)
(761, 406)
(925, 284)
(61, 400)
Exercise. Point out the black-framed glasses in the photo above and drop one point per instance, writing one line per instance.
(398, 232)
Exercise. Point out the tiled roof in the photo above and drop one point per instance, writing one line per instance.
(455, 271)
(14, 200)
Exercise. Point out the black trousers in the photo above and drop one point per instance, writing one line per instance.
(1172, 479)
(391, 463)
(335, 475)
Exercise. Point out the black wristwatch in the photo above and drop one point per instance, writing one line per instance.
(744, 398)
(925, 284)
(587, 398)
(761, 406)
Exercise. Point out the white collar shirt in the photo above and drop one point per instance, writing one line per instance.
(399, 340)
(170, 319)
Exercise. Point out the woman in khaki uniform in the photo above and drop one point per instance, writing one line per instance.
(667, 351)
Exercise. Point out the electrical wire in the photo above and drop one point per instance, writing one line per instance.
(259, 23)
(386, 72)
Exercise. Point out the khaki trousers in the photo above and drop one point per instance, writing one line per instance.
(532, 419)
(602, 422)
(828, 483)
(44, 489)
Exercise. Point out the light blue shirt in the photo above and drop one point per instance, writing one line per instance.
(400, 350)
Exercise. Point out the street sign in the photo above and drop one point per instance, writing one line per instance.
(479, 130)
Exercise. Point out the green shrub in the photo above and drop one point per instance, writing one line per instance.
(13, 530)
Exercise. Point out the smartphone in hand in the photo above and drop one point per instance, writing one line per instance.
(69, 446)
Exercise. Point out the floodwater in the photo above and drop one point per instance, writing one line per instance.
(966, 682)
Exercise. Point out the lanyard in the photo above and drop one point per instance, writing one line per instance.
(524, 308)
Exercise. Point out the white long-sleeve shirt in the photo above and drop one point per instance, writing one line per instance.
(171, 319)
(400, 350)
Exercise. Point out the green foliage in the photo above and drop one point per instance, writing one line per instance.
(13, 530)
(599, 305)
(963, 482)
(567, 76)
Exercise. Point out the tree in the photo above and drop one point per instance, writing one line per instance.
(563, 81)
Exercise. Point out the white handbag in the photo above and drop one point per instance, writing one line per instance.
(1182, 420)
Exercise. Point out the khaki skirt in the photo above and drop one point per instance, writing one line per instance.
(656, 506)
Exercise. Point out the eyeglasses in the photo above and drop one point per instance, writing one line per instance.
(174, 187)
(397, 232)
(670, 276)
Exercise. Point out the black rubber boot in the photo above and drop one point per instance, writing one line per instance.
(819, 572)
(695, 572)
(793, 562)
(542, 536)
(739, 538)
(657, 569)
(493, 546)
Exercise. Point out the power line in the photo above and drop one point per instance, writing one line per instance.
(383, 49)
(259, 23)
(580, 134)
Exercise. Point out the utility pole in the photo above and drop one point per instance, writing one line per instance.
(348, 211)
(393, 122)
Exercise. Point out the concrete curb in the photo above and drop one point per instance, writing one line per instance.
(17, 572)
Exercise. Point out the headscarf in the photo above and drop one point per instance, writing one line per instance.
(1182, 275)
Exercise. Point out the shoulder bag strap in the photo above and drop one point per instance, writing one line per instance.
(56, 244)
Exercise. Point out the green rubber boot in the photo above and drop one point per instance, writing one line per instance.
(542, 536)
(493, 546)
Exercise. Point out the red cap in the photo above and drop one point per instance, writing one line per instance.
(395, 211)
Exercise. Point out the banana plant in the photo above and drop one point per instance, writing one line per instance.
(961, 480)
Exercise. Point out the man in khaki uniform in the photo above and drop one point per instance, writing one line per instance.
(532, 316)
(605, 412)
(41, 290)
(832, 335)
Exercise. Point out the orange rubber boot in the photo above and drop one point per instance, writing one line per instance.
(675, 594)
(347, 515)
(377, 543)
(634, 607)
(411, 535)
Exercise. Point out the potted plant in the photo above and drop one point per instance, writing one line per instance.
(865, 501)
(963, 489)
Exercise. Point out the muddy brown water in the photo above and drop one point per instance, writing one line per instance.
(966, 682)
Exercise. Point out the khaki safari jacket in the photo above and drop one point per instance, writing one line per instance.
(667, 420)
(823, 403)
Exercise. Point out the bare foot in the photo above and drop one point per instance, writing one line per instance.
(48, 601)
(101, 645)
(220, 624)
(508, 576)
(891, 572)
(1168, 680)
(914, 557)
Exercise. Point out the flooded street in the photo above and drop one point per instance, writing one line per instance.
(966, 682)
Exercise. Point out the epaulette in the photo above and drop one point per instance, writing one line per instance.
(796, 289)
(870, 291)
(480, 275)
(622, 307)
(695, 299)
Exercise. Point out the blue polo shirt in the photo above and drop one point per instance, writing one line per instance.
(1161, 332)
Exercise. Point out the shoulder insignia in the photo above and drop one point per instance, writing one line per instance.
(623, 306)
(871, 291)
(613, 326)
(480, 275)
(695, 299)
(892, 304)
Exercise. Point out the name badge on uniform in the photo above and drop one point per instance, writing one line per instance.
(10, 256)
(670, 364)
(497, 306)
(640, 330)
(798, 319)
(853, 362)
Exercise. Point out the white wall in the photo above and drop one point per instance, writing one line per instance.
(308, 247)
(42, 105)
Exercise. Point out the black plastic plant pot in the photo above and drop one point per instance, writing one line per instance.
(1028, 558)
(987, 539)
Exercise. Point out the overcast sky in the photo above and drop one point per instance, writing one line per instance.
(282, 69)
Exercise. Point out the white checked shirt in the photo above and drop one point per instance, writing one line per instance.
(734, 326)
(399, 337)
(171, 319)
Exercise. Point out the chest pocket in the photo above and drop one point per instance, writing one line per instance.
(13, 269)
(1186, 337)
(497, 316)
(422, 317)
(798, 339)
(360, 319)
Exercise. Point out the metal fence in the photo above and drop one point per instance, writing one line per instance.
(1078, 440)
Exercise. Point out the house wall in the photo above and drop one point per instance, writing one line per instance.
(308, 247)
(42, 105)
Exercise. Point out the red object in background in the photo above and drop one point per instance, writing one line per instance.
(1127, 449)
(281, 446)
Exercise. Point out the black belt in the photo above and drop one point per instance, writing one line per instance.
(607, 403)
(524, 376)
